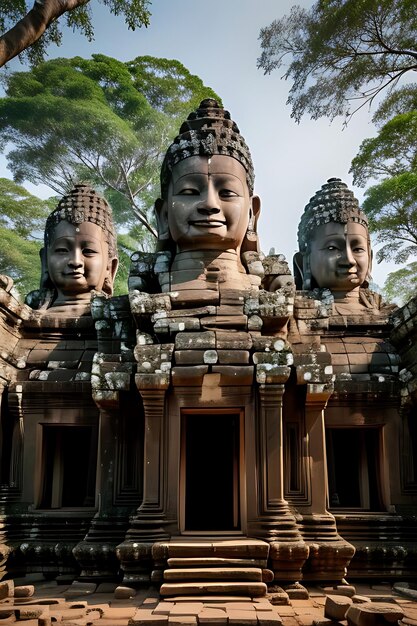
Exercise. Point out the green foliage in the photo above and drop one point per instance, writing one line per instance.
(98, 120)
(135, 12)
(22, 220)
(401, 286)
(392, 152)
(391, 158)
(391, 204)
(392, 210)
(397, 102)
(341, 54)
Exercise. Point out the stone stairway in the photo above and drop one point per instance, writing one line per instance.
(220, 567)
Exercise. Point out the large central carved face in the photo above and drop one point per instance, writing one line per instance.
(78, 260)
(208, 203)
(339, 256)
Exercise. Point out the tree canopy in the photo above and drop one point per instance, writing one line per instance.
(33, 29)
(390, 158)
(341, 54)
(401, 285)
(98, 120)
(22, 221)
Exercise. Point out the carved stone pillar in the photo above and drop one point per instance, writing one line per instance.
(147, 526)
(96, 554)
(275, 522)
(329, 553)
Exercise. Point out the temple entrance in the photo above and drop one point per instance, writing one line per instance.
(210, 471)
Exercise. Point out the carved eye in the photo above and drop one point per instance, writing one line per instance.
(188, 191)
(228, 193)
(89, 251)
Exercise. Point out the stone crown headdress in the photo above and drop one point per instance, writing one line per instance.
(206, 132)
(334, 202)
(83, 204)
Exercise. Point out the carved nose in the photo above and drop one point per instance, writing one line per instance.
(347, 257)
(75, 260)
(207, 210)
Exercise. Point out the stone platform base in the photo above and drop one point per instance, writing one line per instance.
(84, 604)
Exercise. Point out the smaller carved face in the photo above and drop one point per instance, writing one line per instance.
(340, 256)
(78, 259)
(208, 204)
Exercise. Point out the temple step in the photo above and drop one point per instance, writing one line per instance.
(212, 561)
(225, 549)
(219, 567)
(253, 574)
(252, 589)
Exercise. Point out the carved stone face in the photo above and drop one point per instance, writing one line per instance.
(339, 256)
(78, 260)
(208, 204)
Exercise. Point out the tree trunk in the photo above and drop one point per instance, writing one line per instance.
(31, 27)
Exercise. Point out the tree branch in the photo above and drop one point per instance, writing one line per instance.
(31, 27)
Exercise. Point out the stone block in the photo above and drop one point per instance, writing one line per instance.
(227, 357)
(234, 374)
(278, 597)
(340, 590)
(24, 591)
(373, 613)
(195, 297)
(268, 618)
(182, 620)
(6, 589)
(119, 612)
(336, 607)
(186, 608)
(242, 617)
(233, 341)
(124, 593)
(297, 592)
(35, 611)
(177, 324)
(189, 357)
(163, 608)
(212, 616)
(203, 340)
(232, 296)
(189, 376)
(145, 616)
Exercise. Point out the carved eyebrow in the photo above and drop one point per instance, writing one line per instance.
(62, 240)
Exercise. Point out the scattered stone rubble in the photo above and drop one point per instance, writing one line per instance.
(83, 604)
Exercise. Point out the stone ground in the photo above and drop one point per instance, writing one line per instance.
(44, 603)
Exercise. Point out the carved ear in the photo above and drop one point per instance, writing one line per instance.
(45, 281)
(161, 212)
(299, 274)
(114, 264)
(371, 258)
(256, 210)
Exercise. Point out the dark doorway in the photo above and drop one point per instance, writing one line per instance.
(353, 467)
(211, 472)
(70, 456)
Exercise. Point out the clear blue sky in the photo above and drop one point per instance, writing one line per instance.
(219, 42)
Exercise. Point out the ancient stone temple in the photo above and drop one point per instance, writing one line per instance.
(222, 426)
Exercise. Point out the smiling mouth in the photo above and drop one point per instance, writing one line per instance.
(74, 275)
(351, 276)
(208, 223)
